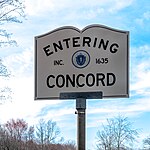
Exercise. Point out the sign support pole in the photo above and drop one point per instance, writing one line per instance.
(81, 123)
(81, 112)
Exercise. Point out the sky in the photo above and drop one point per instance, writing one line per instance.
(43, 16)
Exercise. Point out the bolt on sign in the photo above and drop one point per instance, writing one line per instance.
(71, 60)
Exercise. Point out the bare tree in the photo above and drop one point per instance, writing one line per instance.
(40, 132)
(47, 132)
(10, 11)
(30, 134)
(106, 136)
(17, 135)
(146, 143)
(3, 70)
(117, 134)
(5, 91)
(52, 132)
(16, 128)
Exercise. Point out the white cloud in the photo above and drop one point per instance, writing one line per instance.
(146, 15)
(20, 64)
(36, 7)
(57, 6)
(46, 14)
(117, 5)
(142, 19)
(143, 76)
(22, 84)
(141, 71)
(23, 104)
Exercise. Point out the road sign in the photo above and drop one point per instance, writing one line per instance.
(71, 60)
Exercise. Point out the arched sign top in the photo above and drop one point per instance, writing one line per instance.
(93, 59)
(84, 29)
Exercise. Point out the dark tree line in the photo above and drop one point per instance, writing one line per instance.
(17, 135)
(117, 134)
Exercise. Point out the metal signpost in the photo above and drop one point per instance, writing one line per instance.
(81, 113)
(82, 64)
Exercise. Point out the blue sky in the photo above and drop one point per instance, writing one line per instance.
(46, 15)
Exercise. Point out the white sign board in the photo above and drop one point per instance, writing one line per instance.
(71, 60)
